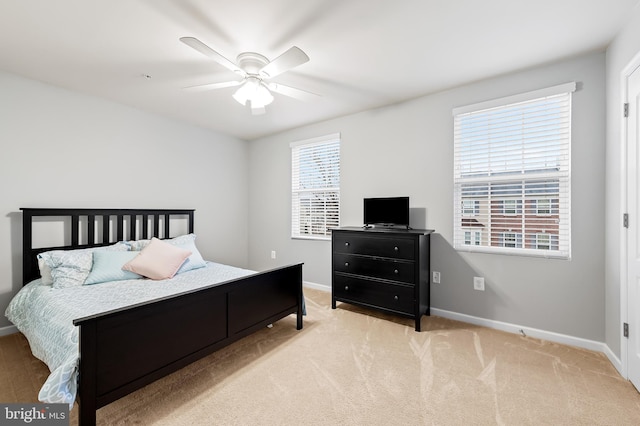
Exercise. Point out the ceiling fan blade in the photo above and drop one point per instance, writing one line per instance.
(289, 59)
(196, 44)
(292, 92)
(212, 86)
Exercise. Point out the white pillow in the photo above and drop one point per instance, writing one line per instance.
(137, 245)
(70, 268)
(158, 260)
(45, 271)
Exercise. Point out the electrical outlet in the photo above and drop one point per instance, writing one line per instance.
(436, 277)
(478, 283)
(273, 254)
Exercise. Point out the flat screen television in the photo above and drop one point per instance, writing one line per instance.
(391, 211)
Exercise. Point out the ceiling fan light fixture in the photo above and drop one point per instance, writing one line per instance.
(246, 90)
(254, 91)
(261, 97)
(241, 96)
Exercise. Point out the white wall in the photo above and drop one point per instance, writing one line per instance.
(621, 51)
(63, 149)
(407, 149)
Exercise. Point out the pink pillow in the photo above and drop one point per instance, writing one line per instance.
(158, 260)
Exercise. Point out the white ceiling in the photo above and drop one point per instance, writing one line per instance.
(363, 53)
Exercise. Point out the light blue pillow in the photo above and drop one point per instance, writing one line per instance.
(188, 242)
(107, 266)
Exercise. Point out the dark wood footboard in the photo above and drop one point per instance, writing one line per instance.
(124, 350)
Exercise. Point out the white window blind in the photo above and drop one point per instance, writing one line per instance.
(512, 163)
(315, 194)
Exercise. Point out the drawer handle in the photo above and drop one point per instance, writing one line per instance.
(346, 287)
(396, 248)
(395, 271)
(395, 298)
(346, 264)
(346, 244)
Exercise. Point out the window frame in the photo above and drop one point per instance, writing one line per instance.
(496, 183)
(328, 196)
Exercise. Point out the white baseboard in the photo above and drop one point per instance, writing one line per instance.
(532, 332)
(617, 362)
(317, 286)
(10, 329)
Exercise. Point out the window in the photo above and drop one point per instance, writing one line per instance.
(543, 241)
(470, 207)
(546, 241)
(543, 207)
(512, 174)
(510, 239)
(472, 238)
(511, 207)
(315, 183)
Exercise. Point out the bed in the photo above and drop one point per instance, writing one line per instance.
(125, 348)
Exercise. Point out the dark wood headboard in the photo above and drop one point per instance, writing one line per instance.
(82, 232)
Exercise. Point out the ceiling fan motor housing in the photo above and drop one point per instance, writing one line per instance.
(251, 62)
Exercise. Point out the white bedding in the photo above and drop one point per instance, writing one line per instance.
(45, 316)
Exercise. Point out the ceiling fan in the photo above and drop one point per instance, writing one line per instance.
(255, 71)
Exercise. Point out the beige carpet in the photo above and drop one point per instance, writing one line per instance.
(354, 367)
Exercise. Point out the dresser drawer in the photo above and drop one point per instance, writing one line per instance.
(398, 298)
(353, 243)
(403, 271)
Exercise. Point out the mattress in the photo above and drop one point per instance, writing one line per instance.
(45, 316)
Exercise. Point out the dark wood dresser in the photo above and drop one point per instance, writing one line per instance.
(382, 268)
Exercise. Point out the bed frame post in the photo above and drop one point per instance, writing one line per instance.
(300, 311)
(27, 242)
(87, 401)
